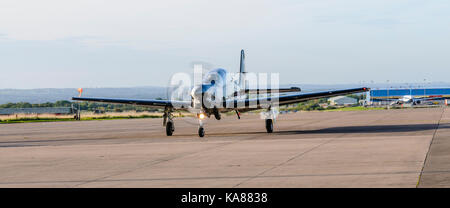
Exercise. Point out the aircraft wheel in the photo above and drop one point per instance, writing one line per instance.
(269, 125)
(217, 115)
(170, 128)
(201, 132)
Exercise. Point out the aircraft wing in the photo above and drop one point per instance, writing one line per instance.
(258, 103)
(151, 103)
(431, 98)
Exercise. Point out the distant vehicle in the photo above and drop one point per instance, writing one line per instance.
(99, 111)
(235, 98)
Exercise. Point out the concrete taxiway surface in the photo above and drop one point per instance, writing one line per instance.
(380, 148)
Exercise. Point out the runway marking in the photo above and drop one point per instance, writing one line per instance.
(217, 177)
(169, 158)
(147, 164)
(69, 142)
(221, 140)
(429, 148)
(180, 156)
(302, 153)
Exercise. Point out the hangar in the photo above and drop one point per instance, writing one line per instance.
(342, 100)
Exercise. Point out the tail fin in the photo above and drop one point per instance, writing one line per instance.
(242, 69)
(242, 66)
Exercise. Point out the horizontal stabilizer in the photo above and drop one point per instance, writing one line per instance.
(281, 90)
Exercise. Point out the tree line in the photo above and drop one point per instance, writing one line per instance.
(86, 106)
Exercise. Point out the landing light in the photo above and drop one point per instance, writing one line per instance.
(201, 116)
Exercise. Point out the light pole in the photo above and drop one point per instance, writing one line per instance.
(387, 104)
(370, 93)
(424, 88)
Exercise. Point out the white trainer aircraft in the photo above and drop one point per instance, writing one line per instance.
(218, 94)
(406, 99)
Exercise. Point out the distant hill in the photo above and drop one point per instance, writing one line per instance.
(54, 94)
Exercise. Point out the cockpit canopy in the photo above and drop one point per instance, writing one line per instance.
(212, 78)
(215, 76)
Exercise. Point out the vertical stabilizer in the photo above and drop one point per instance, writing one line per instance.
(242, 70)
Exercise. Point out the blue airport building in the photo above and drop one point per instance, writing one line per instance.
(379, 95)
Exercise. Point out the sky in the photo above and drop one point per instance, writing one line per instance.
(96, 43)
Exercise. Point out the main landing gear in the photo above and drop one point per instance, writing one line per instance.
(269, 125)
(168, 122)
(170, 128)
(270, 117)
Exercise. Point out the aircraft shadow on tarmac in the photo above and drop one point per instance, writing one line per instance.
(352, 129)
(370, 129)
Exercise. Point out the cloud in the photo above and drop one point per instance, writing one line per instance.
(303, 40)
(3, 36)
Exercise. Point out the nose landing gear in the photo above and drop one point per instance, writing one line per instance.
(201, 132)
